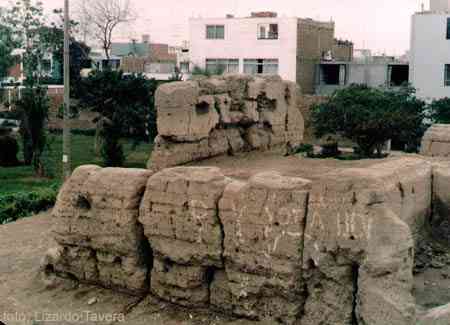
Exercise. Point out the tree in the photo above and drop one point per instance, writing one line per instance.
(6, 47)
(26, 22)
(34, 106)
(125, 105)
(104, 16)
(371, 116)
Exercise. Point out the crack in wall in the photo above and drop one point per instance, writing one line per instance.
(355, 278)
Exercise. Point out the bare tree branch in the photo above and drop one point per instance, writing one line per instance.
(102, 17)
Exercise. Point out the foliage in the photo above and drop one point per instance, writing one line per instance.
(371, 116)
(8, 148)
(18, 181)
(14, 206)
(6, 47)
(53, 37)
(304, 148)
(197, 71)
(34, 106)
(126, 108)
(440, 111)
(26, 20)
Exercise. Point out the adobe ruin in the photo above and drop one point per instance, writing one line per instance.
(291, 245)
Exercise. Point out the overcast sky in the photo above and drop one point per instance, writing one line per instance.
(380, 25)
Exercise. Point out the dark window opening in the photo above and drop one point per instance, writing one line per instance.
(399, 75)
(260, 66)
(448, 28)
(331, 74)
(447, 75)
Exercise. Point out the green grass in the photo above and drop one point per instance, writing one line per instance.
(22, 179)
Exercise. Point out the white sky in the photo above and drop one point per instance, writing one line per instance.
(380, 25)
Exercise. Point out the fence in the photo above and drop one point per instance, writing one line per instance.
(9, 94)
(55, 93)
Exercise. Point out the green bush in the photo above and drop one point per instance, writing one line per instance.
(85, 132)
(125, 104)
(440, 111)
(371, 116)
(14, 206)
(304, 148)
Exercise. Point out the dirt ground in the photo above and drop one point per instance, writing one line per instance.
(245, 165)
(24, 294)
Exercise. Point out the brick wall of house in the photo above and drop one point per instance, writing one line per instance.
(342, 50)
(313, 39)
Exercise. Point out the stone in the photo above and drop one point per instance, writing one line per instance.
(263, 223)
(179, 213)
(224, 115)
(96, 225)
(436, 141)
(361, 226)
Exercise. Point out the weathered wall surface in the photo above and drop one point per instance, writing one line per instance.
(97, 229)
(305, 104)
(222, 115)
(436, 141)
(338, 250)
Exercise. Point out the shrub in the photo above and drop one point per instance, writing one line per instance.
(14, 206)
(8, 149)
(126, 108)
(305, 148)
(371, 116)
(440, 111)
(34, 106)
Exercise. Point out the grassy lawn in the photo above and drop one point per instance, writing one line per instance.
(22, 179)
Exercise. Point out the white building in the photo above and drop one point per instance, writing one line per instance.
(245, 45)
(430, 51)
(262, 44)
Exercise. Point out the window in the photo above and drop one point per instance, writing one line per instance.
(184, 67)
(399, 75)
(215, 32)
(447, 75)
(261, 66)
(448, 28)
(219, 66)
(268, 31)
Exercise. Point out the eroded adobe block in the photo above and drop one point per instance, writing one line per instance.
(263, 220)
(436, 141)
(359, 242)
(208, 117)
(97, 228)
(180, 217)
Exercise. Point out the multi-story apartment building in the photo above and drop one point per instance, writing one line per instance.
(265, 44)
(430, 51)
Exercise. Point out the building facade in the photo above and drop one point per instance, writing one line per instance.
(263, 44)
(430, 51)
(373, 71)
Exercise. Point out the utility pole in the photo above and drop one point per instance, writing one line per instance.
(66, 127)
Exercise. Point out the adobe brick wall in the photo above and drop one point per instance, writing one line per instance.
(283, 248)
